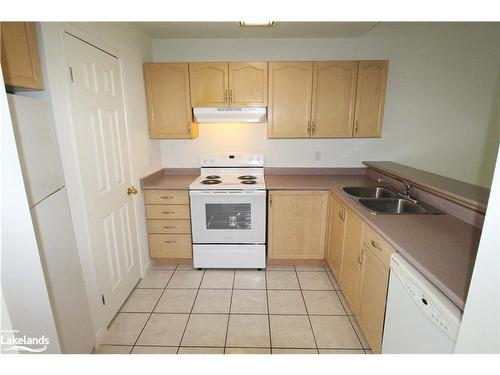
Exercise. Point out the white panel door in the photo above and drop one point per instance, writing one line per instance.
(97, 105)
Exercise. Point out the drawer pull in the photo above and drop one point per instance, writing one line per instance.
(169, 227)
(170, 241)
(167, 197)
(376, 245)
(168, 212)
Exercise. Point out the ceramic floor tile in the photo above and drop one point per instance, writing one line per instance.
(154, 350)
(286, 302)
(205, 330)
(314, 281)
(155, 279)
(186, 267)
(323, 302)
(294, 351)
(309, 267)
(248, 331)
(141, 300)
(334, 332)
(176, 301)
(218, 279)
(361, 336)
(282, 280)
(248, 351)
(163, 266)
(249, 279)
(113, 349)
(341, 351)
(191, 350)
(125, 328)
(291, 331)
(280, 267)
(345, 304)
(212, 301)
(336, 285)
(249, 302)
(163, 330)
(185, 280)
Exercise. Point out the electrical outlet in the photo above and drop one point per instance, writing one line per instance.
(317, 155)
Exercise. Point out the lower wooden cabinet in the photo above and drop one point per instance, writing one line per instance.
(372, 297)
(297, 224)
(351, 258)
(169, 225)
(337, 232)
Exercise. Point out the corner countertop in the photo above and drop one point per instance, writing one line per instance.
(441, 247)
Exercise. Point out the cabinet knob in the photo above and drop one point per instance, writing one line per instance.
(376, 245)
(131, 190)
(356, 127)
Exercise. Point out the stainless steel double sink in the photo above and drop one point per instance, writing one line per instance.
(381, 200)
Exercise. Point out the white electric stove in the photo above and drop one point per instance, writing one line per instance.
(228, 211)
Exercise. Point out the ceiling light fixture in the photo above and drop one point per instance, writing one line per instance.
(257, 23)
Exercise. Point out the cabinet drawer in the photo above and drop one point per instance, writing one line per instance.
(378, 246)
(167, 211)
(169, 226)
(170, 245)
(166, 197)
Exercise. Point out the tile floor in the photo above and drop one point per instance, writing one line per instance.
(285, 309)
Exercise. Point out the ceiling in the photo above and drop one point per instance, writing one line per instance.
(232, 30)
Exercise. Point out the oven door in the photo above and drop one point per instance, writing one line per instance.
(230, 216)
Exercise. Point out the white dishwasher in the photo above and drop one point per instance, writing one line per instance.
(419, 318)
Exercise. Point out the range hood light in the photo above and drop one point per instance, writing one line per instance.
(257, 23)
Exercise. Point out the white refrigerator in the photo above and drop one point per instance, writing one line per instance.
(50, 212)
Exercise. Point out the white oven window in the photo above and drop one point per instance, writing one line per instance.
(228, 216)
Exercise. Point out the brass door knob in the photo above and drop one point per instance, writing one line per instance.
(131, 190)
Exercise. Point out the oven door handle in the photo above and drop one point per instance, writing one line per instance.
(218, 193)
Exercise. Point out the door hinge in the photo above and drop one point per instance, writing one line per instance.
(103, 300)
(71, 74)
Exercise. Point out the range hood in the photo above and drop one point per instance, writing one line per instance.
(230, 114)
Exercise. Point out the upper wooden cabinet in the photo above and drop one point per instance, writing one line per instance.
(228, 84)
(209, 84)
(167, 91)
(370, 98)
(326, 99)
(290, 90)
(297, 225)
(333, 99)
(19, 55)
(248, 84)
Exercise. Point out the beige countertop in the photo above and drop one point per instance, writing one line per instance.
(441, 247)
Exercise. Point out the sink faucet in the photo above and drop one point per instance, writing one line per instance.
(408, 188)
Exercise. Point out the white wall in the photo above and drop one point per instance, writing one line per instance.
(25, 299)
(480, 329)
(133, 47)
(439, 103)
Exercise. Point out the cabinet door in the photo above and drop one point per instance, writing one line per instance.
(248, 84)
(290, 90)
(337, 232)
(372, 298)
(297, 224)
(20, 60)
(334, 95)
(349, 274)
(209, 84)
(167, 90)
(370, 98)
